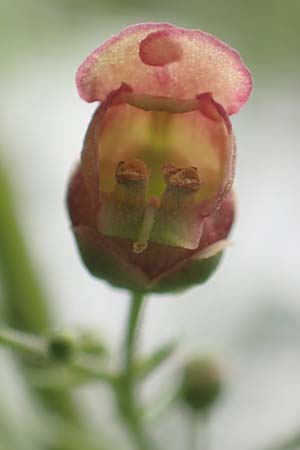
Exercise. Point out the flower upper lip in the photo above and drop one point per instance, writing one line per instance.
(163, 58)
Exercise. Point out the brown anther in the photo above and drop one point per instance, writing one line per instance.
(132, 171)
(186, 178)
(169, 169)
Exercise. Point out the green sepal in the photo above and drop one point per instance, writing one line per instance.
(109, 267)
(106, 266)
(195, 272)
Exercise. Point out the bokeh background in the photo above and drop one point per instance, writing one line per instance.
(248, 314)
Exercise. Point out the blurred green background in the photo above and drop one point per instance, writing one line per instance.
(248, 314)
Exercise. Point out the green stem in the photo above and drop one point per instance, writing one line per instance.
(85, 367)
(162, 406)
(131, 332)
(148, 365)
(21, 342)
(27, 344)
(128, 404)
(198, 427)
(24, 306)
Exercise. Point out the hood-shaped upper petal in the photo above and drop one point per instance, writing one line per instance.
(164, 60)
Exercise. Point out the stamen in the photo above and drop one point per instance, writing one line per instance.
(177, 221)
(186, 178)
(121, 213)
(133, 171)
(145, 231)
(132, 180)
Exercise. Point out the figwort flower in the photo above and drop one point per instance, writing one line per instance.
(151, 201)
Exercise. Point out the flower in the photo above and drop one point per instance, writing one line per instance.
(151, 201)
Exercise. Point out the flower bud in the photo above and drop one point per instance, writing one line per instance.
(201, 384)
(90, 343)
(62, 346)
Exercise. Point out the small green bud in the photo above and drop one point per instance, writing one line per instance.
(89, 342)
(201, 384)
(62, 346)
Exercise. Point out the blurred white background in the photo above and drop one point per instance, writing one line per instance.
(248, 314)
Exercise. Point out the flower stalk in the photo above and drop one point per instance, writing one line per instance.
(126, 393)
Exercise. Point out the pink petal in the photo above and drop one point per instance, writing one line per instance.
(199, 137)
(218, 225)
(163, 60)
(90, 151)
